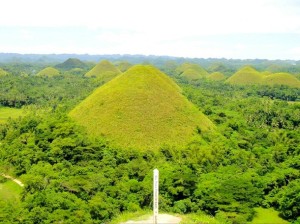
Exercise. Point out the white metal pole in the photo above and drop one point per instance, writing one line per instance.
(155, 195)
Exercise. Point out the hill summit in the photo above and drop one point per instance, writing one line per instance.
(191, 72)
(104, 71)
(142, 108)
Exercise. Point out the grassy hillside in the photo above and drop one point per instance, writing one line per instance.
(216, 76)
(3, 72)
(9, 190)
(267, 216)
(191, 72)
(142, 108)
(49, 72)
(282, 79)
(104, 71)
(246, 76)
(6, 112)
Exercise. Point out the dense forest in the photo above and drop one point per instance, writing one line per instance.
(252, 160)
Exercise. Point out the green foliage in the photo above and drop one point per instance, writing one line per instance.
(138, 109)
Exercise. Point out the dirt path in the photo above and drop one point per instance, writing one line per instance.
(162, 219)
(13, 179)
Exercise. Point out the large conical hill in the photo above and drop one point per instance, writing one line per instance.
(282, 79)
(104, 71)
(48, 72)
(141, 108)
(247, 75)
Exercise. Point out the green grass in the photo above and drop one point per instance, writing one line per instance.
(7, 112)
(134, 216)
(216, 76)
(198, 219)
(246, 76)
(191, 72)
(142, 108)
(49, 72)
(9, 191)
(104, 71)
(267, 216)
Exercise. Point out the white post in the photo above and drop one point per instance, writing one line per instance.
(155, 195)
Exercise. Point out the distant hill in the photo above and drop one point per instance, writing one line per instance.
(123, 66)
(49, 72)
(71, 63)
(191, 72)
(282, 79)
(141, 108)
(216, 76)
(104, 71)
(3, 72)
(247, 75)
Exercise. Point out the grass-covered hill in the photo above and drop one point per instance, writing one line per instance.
(191, 72)
(48, 72)
(216, 76)
(142, 108)
(247, 75)
(123, 66)
(282, 79)
(3, 72)
(71, 63)
(104, 71)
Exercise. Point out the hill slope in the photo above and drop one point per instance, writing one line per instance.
(216, 76)
(247, 75)
(49, 72)
(104, 71)
(142, 108)
(282, 79)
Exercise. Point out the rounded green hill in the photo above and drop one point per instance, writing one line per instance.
(216, 76)
(3, 72)
(49, 72)
(282, 79)
(246, 76)
(142, 108)
(191, 72)
(104, 71)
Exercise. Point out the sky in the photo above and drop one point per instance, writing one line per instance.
(239, 29)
